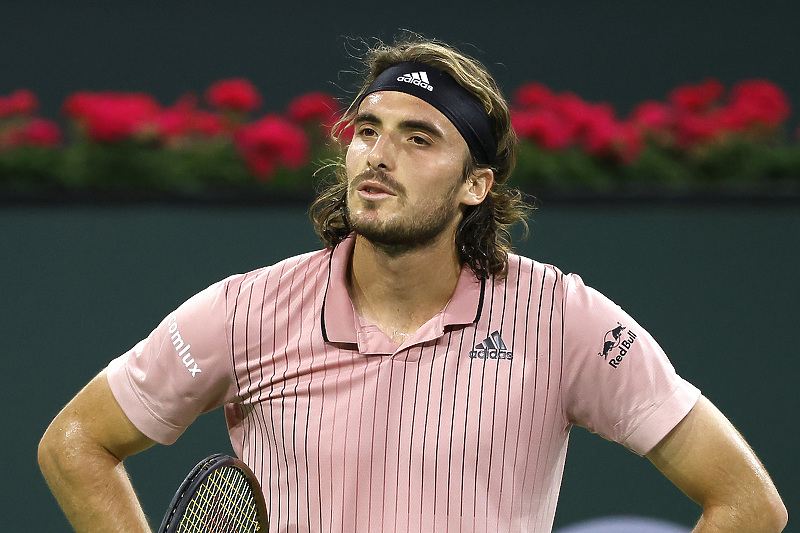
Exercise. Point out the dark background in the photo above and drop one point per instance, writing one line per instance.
(717, 285)
(622, 52)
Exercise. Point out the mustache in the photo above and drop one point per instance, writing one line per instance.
(382, 178)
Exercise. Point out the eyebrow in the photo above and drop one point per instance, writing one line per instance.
(410, 124)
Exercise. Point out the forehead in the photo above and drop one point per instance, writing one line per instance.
(394, 106)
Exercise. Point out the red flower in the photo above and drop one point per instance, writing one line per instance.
(110, 117)
(207, 124)
(173, 123)
(272, 142)
(20, 102)
(36, 132)
(653, 116)
(533, 95)
(543, 127)
(580, 114)
(184, 119)
(606, 137)
(695, 128)
(697, 98)
(314, 107)
(236, 94)
(755, 102)
(343, 133)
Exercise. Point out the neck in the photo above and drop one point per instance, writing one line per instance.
(399, 290)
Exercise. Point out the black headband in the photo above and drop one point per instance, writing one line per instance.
(440, 90)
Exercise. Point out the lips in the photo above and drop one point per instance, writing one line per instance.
(374, 187)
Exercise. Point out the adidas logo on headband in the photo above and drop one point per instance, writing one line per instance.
(417, 78)
(461, 107)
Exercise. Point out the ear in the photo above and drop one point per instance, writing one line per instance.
(478, 185)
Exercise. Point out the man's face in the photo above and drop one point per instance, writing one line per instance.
(405, 171)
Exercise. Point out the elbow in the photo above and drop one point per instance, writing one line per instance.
(761, 519)
(762, 511)
(773, 510)
(47, 453)
(774, 518)
(51, 453)
(63, 450)
(778, 513)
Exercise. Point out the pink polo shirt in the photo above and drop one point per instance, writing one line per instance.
(463, 428)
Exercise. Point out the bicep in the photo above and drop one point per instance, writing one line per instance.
(707, 458)
(93, 418)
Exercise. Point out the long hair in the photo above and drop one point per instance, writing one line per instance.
(483, 237)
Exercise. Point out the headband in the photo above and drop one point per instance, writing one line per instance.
(441, 91)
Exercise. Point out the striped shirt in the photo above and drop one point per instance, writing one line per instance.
(463, 428)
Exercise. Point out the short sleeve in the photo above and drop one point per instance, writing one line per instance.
(617, 380)
(181, 370)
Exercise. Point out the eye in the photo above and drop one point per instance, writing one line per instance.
(419, 140)
(366, 131)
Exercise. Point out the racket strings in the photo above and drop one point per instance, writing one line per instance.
(224, 503)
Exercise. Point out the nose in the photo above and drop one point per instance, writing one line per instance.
(381, 155)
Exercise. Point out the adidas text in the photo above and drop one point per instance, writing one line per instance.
(492, 347)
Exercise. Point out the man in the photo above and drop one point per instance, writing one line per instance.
(414, 375)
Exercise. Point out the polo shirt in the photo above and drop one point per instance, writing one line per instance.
(464, 427)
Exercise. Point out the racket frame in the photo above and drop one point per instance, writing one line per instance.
(196, 477)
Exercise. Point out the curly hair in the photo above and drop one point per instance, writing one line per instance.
(483, 237)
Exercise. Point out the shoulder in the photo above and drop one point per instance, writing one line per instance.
(300, 265)
(524, 269)
(300, 276)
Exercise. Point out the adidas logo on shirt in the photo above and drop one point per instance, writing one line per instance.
(492, 347)
(417, 78)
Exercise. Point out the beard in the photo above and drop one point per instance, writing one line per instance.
(408, 232)
(412, 227)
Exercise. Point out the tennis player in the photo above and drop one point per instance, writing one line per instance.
(414, 375)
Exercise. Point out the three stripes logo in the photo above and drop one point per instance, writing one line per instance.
(492, 347)
(417, 78)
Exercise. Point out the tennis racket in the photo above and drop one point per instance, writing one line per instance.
(220, 495)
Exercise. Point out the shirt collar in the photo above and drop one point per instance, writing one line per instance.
(338, 317)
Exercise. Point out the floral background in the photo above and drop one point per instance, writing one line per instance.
(700, 135)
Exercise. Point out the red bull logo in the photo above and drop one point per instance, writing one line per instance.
(614, 340)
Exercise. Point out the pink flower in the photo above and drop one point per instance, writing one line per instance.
(272, 142)
(36, 132)
(236, 94)
(20, 102)
(110, 116)
(697, 98)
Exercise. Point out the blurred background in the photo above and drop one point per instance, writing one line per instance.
(713, 279)
(620, 51)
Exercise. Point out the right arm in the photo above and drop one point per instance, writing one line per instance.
(81, 456)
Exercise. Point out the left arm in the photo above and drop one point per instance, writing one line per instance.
(710, 462)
